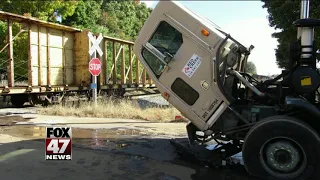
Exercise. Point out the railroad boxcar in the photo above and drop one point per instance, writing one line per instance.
(56, 63)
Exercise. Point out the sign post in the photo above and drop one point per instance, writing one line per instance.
(94, 64)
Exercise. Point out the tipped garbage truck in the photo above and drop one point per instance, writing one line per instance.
(200, 69)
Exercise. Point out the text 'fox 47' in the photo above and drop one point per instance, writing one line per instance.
(58, 144)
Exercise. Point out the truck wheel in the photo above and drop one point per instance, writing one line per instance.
(282, 148)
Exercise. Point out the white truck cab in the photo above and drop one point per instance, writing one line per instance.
(178, 48)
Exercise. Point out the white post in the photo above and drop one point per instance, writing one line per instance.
(94, 82)
(304, 13)
(306, 32)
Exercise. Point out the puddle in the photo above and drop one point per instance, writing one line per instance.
(38, 132)
(98, 139)
(119, 140)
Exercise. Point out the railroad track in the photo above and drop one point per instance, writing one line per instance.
(147, 96)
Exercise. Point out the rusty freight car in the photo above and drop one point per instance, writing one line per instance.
(57, 63)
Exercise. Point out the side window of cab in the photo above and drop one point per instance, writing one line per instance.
(167, 41)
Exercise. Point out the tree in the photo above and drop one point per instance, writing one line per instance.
(86, 14)
(124, 18)
(43, 10)
(282, 14)
(251, 68)
(3, 41)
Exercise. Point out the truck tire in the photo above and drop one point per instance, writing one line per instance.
(282, 148)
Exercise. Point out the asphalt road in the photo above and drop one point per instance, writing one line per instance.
(118, 158)
(107, 149)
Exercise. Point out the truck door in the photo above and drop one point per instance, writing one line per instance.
(183, 66)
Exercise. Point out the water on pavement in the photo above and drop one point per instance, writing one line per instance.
(139, 150)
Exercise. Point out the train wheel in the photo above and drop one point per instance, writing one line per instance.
(18, 100)
(282, 148)
(33, 99)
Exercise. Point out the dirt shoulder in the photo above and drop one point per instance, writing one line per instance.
(29, 116)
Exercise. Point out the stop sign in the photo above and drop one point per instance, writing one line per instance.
(95, 66)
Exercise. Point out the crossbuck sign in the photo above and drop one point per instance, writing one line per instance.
(95, 44)
(94, 64)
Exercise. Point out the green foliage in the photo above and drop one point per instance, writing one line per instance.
(44, 10)
(124, 18)
(3, 41)
(20, 54)
(20, 46)
(282, 13)
(251, 68)
(86, 14)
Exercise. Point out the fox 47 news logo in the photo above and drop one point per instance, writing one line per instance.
(58, 143)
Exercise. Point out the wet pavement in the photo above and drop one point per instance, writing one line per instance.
(101, 153)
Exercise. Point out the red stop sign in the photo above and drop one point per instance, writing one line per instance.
(95, 66)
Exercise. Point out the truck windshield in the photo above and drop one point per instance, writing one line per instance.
(165, 39)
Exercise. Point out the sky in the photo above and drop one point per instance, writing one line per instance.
(247, 22)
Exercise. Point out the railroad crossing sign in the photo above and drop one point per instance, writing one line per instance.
(95, 66)
(95, 44)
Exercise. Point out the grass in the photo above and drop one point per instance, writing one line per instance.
(124, 109)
